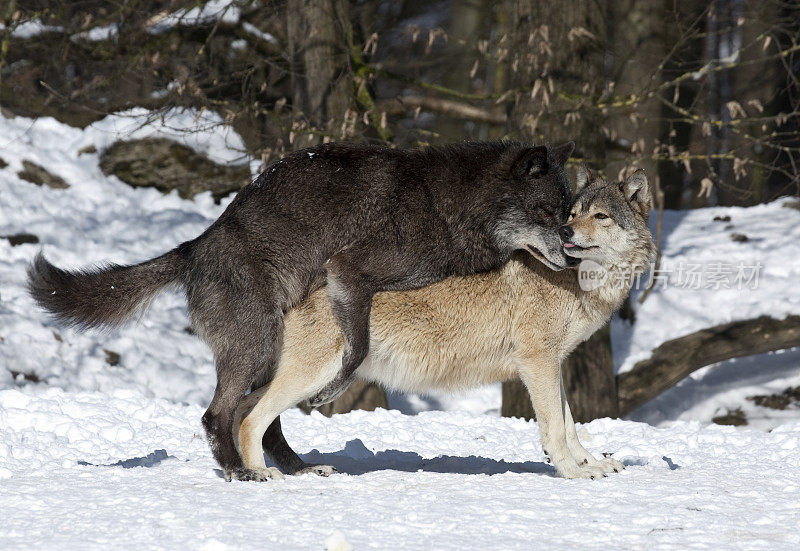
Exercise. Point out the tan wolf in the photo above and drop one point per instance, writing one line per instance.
(521, 320)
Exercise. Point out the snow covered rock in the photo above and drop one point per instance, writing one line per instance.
(166, 165)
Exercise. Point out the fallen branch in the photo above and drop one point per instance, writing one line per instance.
(459, 110)
(674, 360)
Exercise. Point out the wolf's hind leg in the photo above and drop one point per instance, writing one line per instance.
(279, 451)
(351, 295)
(234, 376)
(243, 325)
(579, 453)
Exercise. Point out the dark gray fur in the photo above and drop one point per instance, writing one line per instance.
(362, 218)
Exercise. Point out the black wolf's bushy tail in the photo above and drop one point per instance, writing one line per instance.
(101, 296)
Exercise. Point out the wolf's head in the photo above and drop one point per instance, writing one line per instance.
(536, 203)
(608, 221)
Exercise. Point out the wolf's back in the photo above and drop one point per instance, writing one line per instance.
(104, 295)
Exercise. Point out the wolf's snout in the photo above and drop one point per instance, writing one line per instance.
(566, 233)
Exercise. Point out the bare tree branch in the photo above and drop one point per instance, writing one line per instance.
(452, 108)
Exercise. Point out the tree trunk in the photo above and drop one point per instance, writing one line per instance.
(516, 401)
(576, 65)
(464, 28)
(589, 379)
(636, 48)
(322, 84)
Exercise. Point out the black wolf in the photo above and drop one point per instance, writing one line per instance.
(362, 219)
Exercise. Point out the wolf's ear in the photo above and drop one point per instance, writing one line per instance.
(637, 192)
(583, 178)
(562, 152)
(530, 163)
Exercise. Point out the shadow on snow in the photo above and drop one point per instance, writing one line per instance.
(357, 459)
(149, 460)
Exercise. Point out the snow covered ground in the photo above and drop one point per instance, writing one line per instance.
(100, 442)
(121, 470)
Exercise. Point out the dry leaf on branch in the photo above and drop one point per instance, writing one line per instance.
(706, 185)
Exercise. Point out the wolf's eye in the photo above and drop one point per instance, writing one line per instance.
(600, 216)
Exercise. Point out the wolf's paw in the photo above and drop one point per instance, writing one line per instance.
(608, 465)
(611, 465)
(319, 470)
(574, 470)
(255, 475)
(332, 390)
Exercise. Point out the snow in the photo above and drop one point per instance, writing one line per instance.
(96, 455)
(484, 401)
(239, 44)
(202, 14)
(31, 28)
(97, 34)
(258, 33)
(120, 469)
(97, 219)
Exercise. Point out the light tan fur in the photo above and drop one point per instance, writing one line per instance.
(521, 320)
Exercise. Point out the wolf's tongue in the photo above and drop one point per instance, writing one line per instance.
(568, 245)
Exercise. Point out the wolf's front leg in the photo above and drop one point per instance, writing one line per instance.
(351, 295)
(542, 376)
(579, 453)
